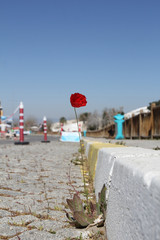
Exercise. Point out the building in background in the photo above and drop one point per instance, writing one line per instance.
(69, 126)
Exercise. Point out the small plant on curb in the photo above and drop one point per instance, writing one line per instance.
(80, 218)
(83, 216)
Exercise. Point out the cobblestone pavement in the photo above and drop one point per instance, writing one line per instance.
(33, 191)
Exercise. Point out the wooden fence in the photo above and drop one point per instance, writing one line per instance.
(144, 125)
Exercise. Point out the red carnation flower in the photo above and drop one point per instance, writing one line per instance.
(78, 100)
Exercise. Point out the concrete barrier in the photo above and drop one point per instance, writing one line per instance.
(92, 152)
(132, 178)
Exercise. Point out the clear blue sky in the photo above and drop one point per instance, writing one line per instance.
(106, 50)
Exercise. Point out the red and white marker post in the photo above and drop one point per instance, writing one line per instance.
(21, 125)
(61, 128)
(79, 127)
(21, 122)
(45, 130)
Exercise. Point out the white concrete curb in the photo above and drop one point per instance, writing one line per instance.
(132, 178)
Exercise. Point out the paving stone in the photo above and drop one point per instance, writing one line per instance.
(35, 235)
(34, 188)
(7, 231)
(4, 213)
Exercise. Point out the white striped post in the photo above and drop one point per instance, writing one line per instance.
(45, 130)
(61, 129)
(21, 122)
(21, 126)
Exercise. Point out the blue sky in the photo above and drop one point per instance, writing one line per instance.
(106, 50)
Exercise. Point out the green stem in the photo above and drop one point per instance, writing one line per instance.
(81, 158)
(77, 126)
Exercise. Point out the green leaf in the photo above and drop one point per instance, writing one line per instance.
(78, 204)
(98, 209)
(75, 204)
(70, 204)
(82, 218)
(102, 200)
(92, 207)
(102, 195)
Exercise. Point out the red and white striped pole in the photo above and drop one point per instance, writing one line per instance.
(21, 125)
(21, 122)
(45, 130)
(61, 131)
(61, 128)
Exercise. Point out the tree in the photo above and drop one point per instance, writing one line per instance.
(16, 122)
(93, 121)
(108, 115)
(62, 120)
(84, 116)
(49, 123)
(30, 122)
(156, 102)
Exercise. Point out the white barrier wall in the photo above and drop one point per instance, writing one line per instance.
(132, 177)
(134, 199)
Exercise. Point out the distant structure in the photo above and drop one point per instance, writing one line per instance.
(69, 126)
(136, 112)
(1, 112)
